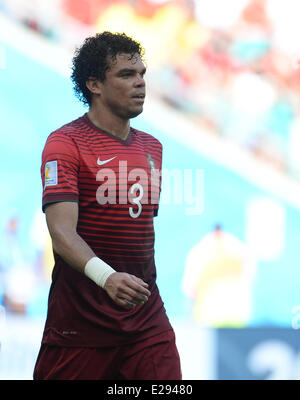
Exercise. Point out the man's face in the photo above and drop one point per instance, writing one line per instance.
(123, 91)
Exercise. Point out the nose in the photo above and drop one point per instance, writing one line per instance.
(140, 81)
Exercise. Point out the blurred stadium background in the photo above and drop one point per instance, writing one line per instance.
(223, 87)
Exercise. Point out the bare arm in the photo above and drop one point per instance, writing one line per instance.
(125, 289)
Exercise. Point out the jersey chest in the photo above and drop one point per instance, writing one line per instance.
(120, 177)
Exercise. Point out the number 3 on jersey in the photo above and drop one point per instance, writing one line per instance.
(136, 200)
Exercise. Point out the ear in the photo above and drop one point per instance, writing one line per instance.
(94, 86)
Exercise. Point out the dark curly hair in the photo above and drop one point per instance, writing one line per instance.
(95, 56)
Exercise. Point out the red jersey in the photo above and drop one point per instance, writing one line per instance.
(116, 185)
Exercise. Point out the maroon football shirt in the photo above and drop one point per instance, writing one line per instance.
(116, 185)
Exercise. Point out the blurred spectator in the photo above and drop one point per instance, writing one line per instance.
(87, 11)
(16, 277)
(42, 16)
(11, 254)
(218, 277)
(255, 13)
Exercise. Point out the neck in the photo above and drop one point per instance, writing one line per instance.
(110, 123)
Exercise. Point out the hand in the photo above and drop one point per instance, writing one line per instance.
(126, 290)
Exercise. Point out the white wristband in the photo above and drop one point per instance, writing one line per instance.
(98, 271)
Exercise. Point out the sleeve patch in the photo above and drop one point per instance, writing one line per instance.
(51, 173)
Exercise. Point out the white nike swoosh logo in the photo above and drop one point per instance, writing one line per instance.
(99, 162)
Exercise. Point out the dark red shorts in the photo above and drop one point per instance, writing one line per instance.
(155, 358)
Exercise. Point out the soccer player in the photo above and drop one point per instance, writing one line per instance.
(101, 186)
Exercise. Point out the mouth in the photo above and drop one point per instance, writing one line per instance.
(139, 97)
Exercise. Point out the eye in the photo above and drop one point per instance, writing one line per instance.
(126, 74)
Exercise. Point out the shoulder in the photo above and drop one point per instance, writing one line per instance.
(148, 139)
(68, 131)
(63, 139)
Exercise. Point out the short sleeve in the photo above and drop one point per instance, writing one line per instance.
(59, 170)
